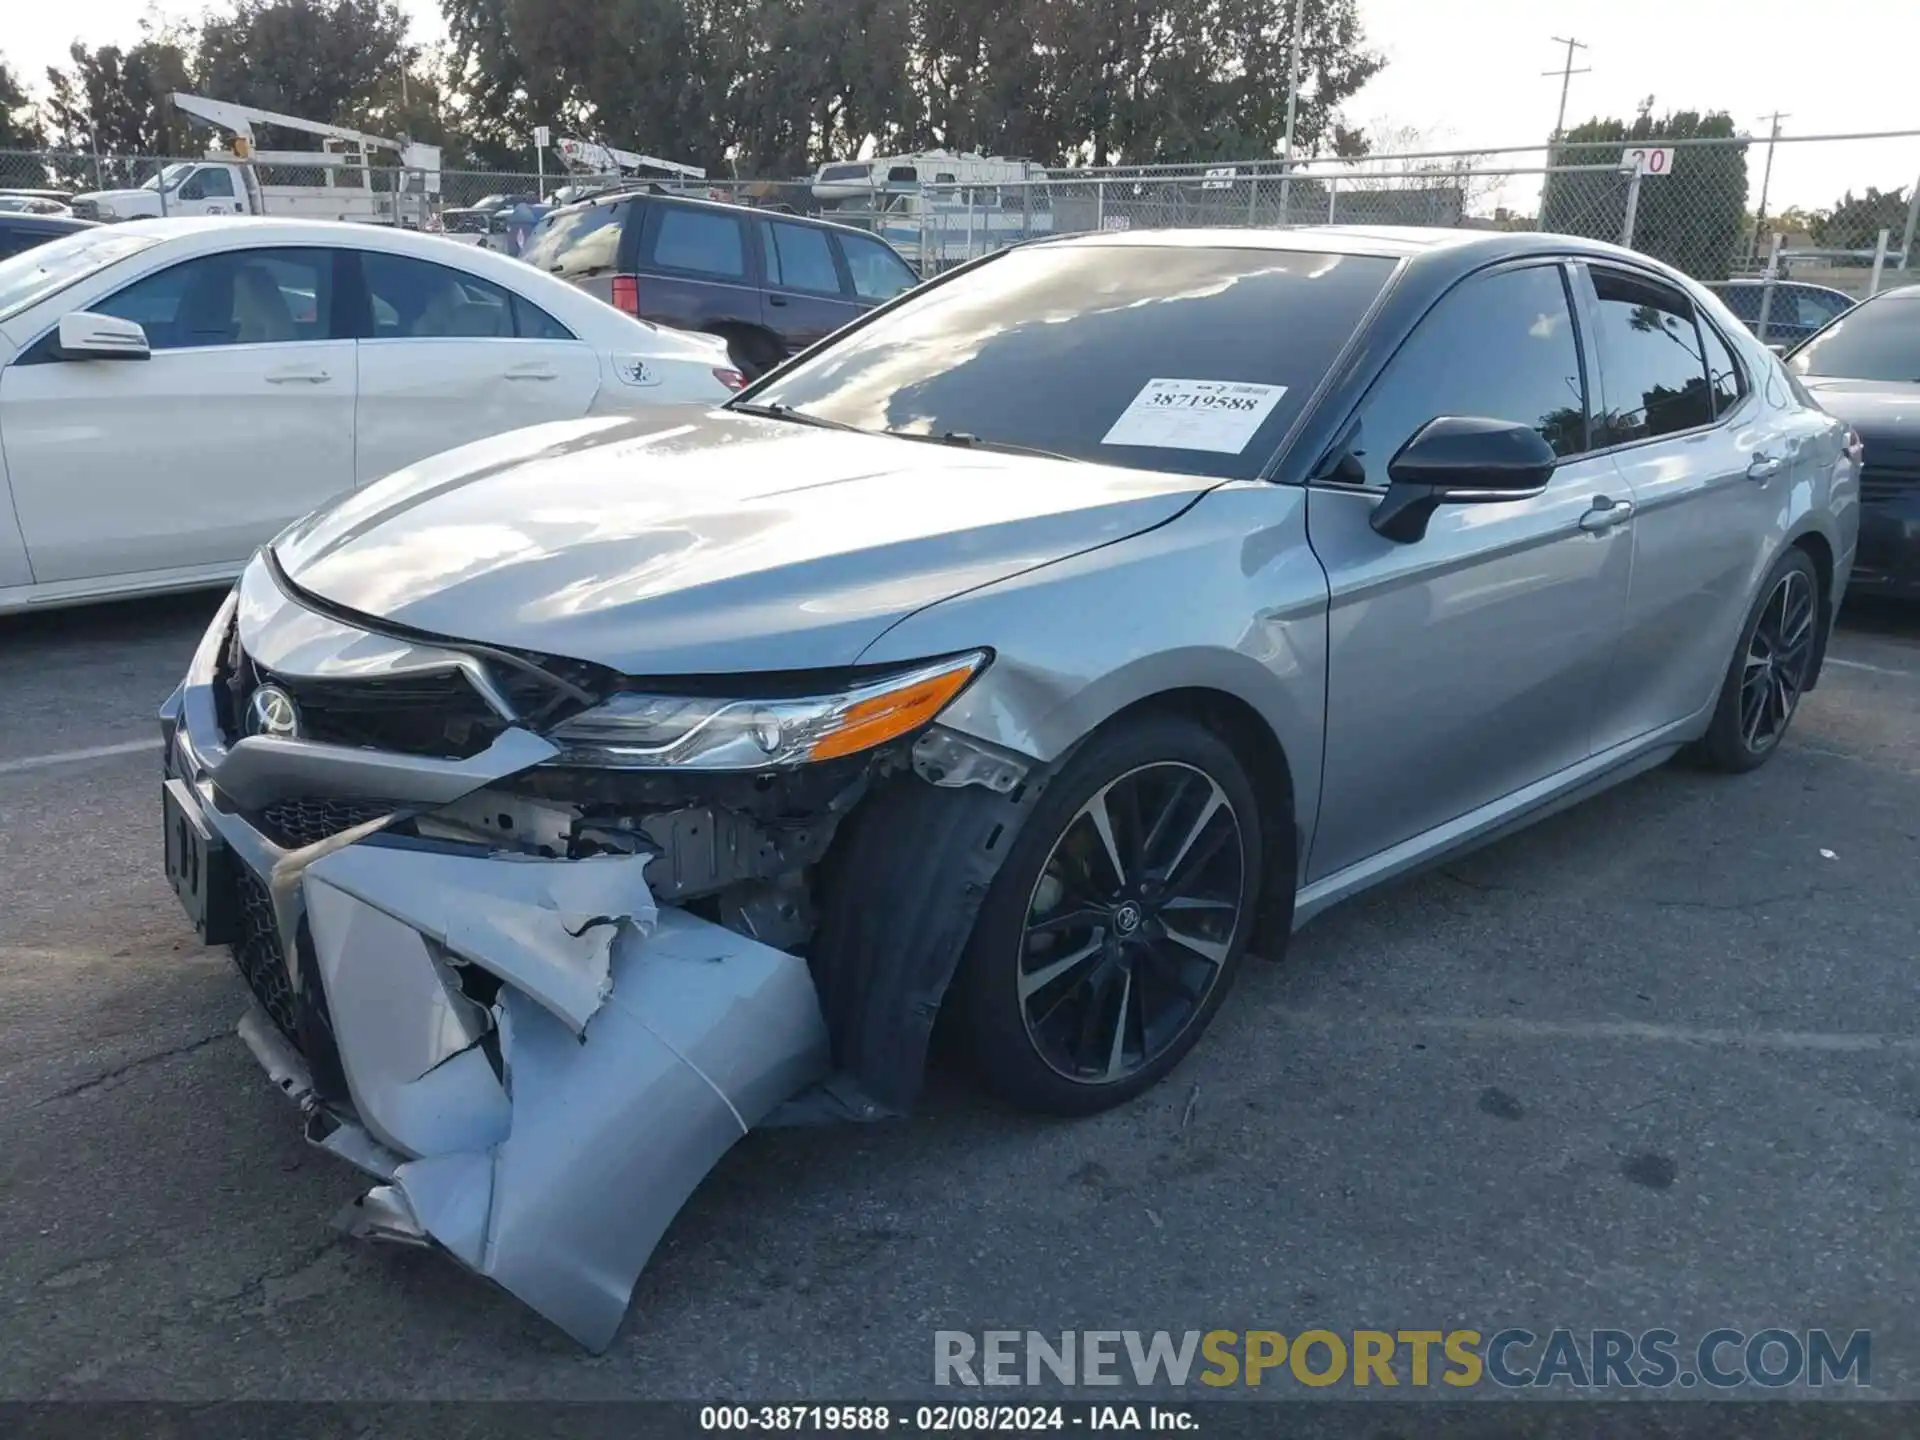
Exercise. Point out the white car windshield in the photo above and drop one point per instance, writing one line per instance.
(35, 274)
(174, 175)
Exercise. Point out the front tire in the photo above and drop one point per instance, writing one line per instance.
(1770, 669)
(1112, 932)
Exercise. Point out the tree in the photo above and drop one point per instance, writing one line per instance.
(1692, 217)
(114, 102)
(19, 125)
(1856, 223)
(326, 60)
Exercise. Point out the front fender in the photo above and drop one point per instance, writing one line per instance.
(1227, 597)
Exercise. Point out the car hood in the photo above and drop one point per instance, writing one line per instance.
(1885, 413)
(691, 541)
(123, 200)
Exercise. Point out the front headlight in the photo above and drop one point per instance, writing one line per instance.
(698, 732)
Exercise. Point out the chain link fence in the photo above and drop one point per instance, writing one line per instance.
(1697, 204)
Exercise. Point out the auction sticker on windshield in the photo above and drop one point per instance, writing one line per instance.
(1216, 415)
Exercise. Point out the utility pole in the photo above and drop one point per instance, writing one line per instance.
(1766, 179)
(1293, 95)
(1566, 73)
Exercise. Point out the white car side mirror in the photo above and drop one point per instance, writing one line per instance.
(87, 336)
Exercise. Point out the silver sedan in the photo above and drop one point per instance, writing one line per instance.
(1028, 652)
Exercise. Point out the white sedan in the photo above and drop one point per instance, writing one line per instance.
(282, 362)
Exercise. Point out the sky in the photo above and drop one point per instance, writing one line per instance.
(1467, 73)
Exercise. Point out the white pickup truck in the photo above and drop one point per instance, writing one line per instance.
(191, 188)
(224, 187)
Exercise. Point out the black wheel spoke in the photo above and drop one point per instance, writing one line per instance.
(1080, 917)
(1032, 981)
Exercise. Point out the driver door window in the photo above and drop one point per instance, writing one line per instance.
(238, 297)
(1500, 346)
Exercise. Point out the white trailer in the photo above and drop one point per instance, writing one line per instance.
(939, 207)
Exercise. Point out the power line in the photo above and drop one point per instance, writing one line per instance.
(1566, 73)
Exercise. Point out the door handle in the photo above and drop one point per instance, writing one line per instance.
(298, 377)
(1605, 513)
(776, 299)
(533, 372)
(1764, 466)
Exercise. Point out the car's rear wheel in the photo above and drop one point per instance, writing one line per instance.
(1770, 669)
(753, 352)
(1111, 934)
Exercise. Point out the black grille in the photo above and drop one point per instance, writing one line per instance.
(306, 820)
(441, 714)
(262, 961)
(1881, 483)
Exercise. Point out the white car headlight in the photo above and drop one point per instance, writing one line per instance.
(697, 732)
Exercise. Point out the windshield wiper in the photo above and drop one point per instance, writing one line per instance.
(779, 411)
(963, 440)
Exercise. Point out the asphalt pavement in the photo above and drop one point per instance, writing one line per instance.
(1652, 1063)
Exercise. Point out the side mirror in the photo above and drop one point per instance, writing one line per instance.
(84, 335)
(1778, 349)
(192, 190)
(1460, 460)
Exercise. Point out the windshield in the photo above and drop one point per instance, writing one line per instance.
(1876, 340)
(1193, 359)
(37, 273)
(174, 175)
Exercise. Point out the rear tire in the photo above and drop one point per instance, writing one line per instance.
(1769, 671)
(1112, 932)
(753, 352)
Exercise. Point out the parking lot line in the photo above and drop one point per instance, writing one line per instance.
(1514, 1028)
(69, 757)
(1863, 665)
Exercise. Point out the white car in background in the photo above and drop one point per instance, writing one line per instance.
(275, 365)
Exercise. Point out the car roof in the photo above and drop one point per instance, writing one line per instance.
(1431, 248)
(51, 224)
(630, 192)
(1755, 282)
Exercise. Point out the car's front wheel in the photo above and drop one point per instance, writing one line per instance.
(1111, 934)
(1770, 669)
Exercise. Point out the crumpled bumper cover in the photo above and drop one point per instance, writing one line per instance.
(554, 1168)
(539, 1064)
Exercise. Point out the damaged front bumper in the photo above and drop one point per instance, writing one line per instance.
(537, 1062)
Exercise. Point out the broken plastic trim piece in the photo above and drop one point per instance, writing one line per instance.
(557, 1176)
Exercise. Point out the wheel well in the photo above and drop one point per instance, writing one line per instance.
(731, 330)
(1821, 553)
(1259, 749)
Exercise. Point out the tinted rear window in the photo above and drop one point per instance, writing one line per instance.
(701, 242)
(577, 242)
(1080, 350)
(1878, 340)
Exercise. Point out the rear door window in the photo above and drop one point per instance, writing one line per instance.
(801, 258)
(1652, 365)
(700, 242)
(578, 243)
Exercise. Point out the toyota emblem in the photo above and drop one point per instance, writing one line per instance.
(271, 712)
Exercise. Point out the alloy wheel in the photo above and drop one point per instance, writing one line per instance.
(1778, 657)
(1131, 921)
